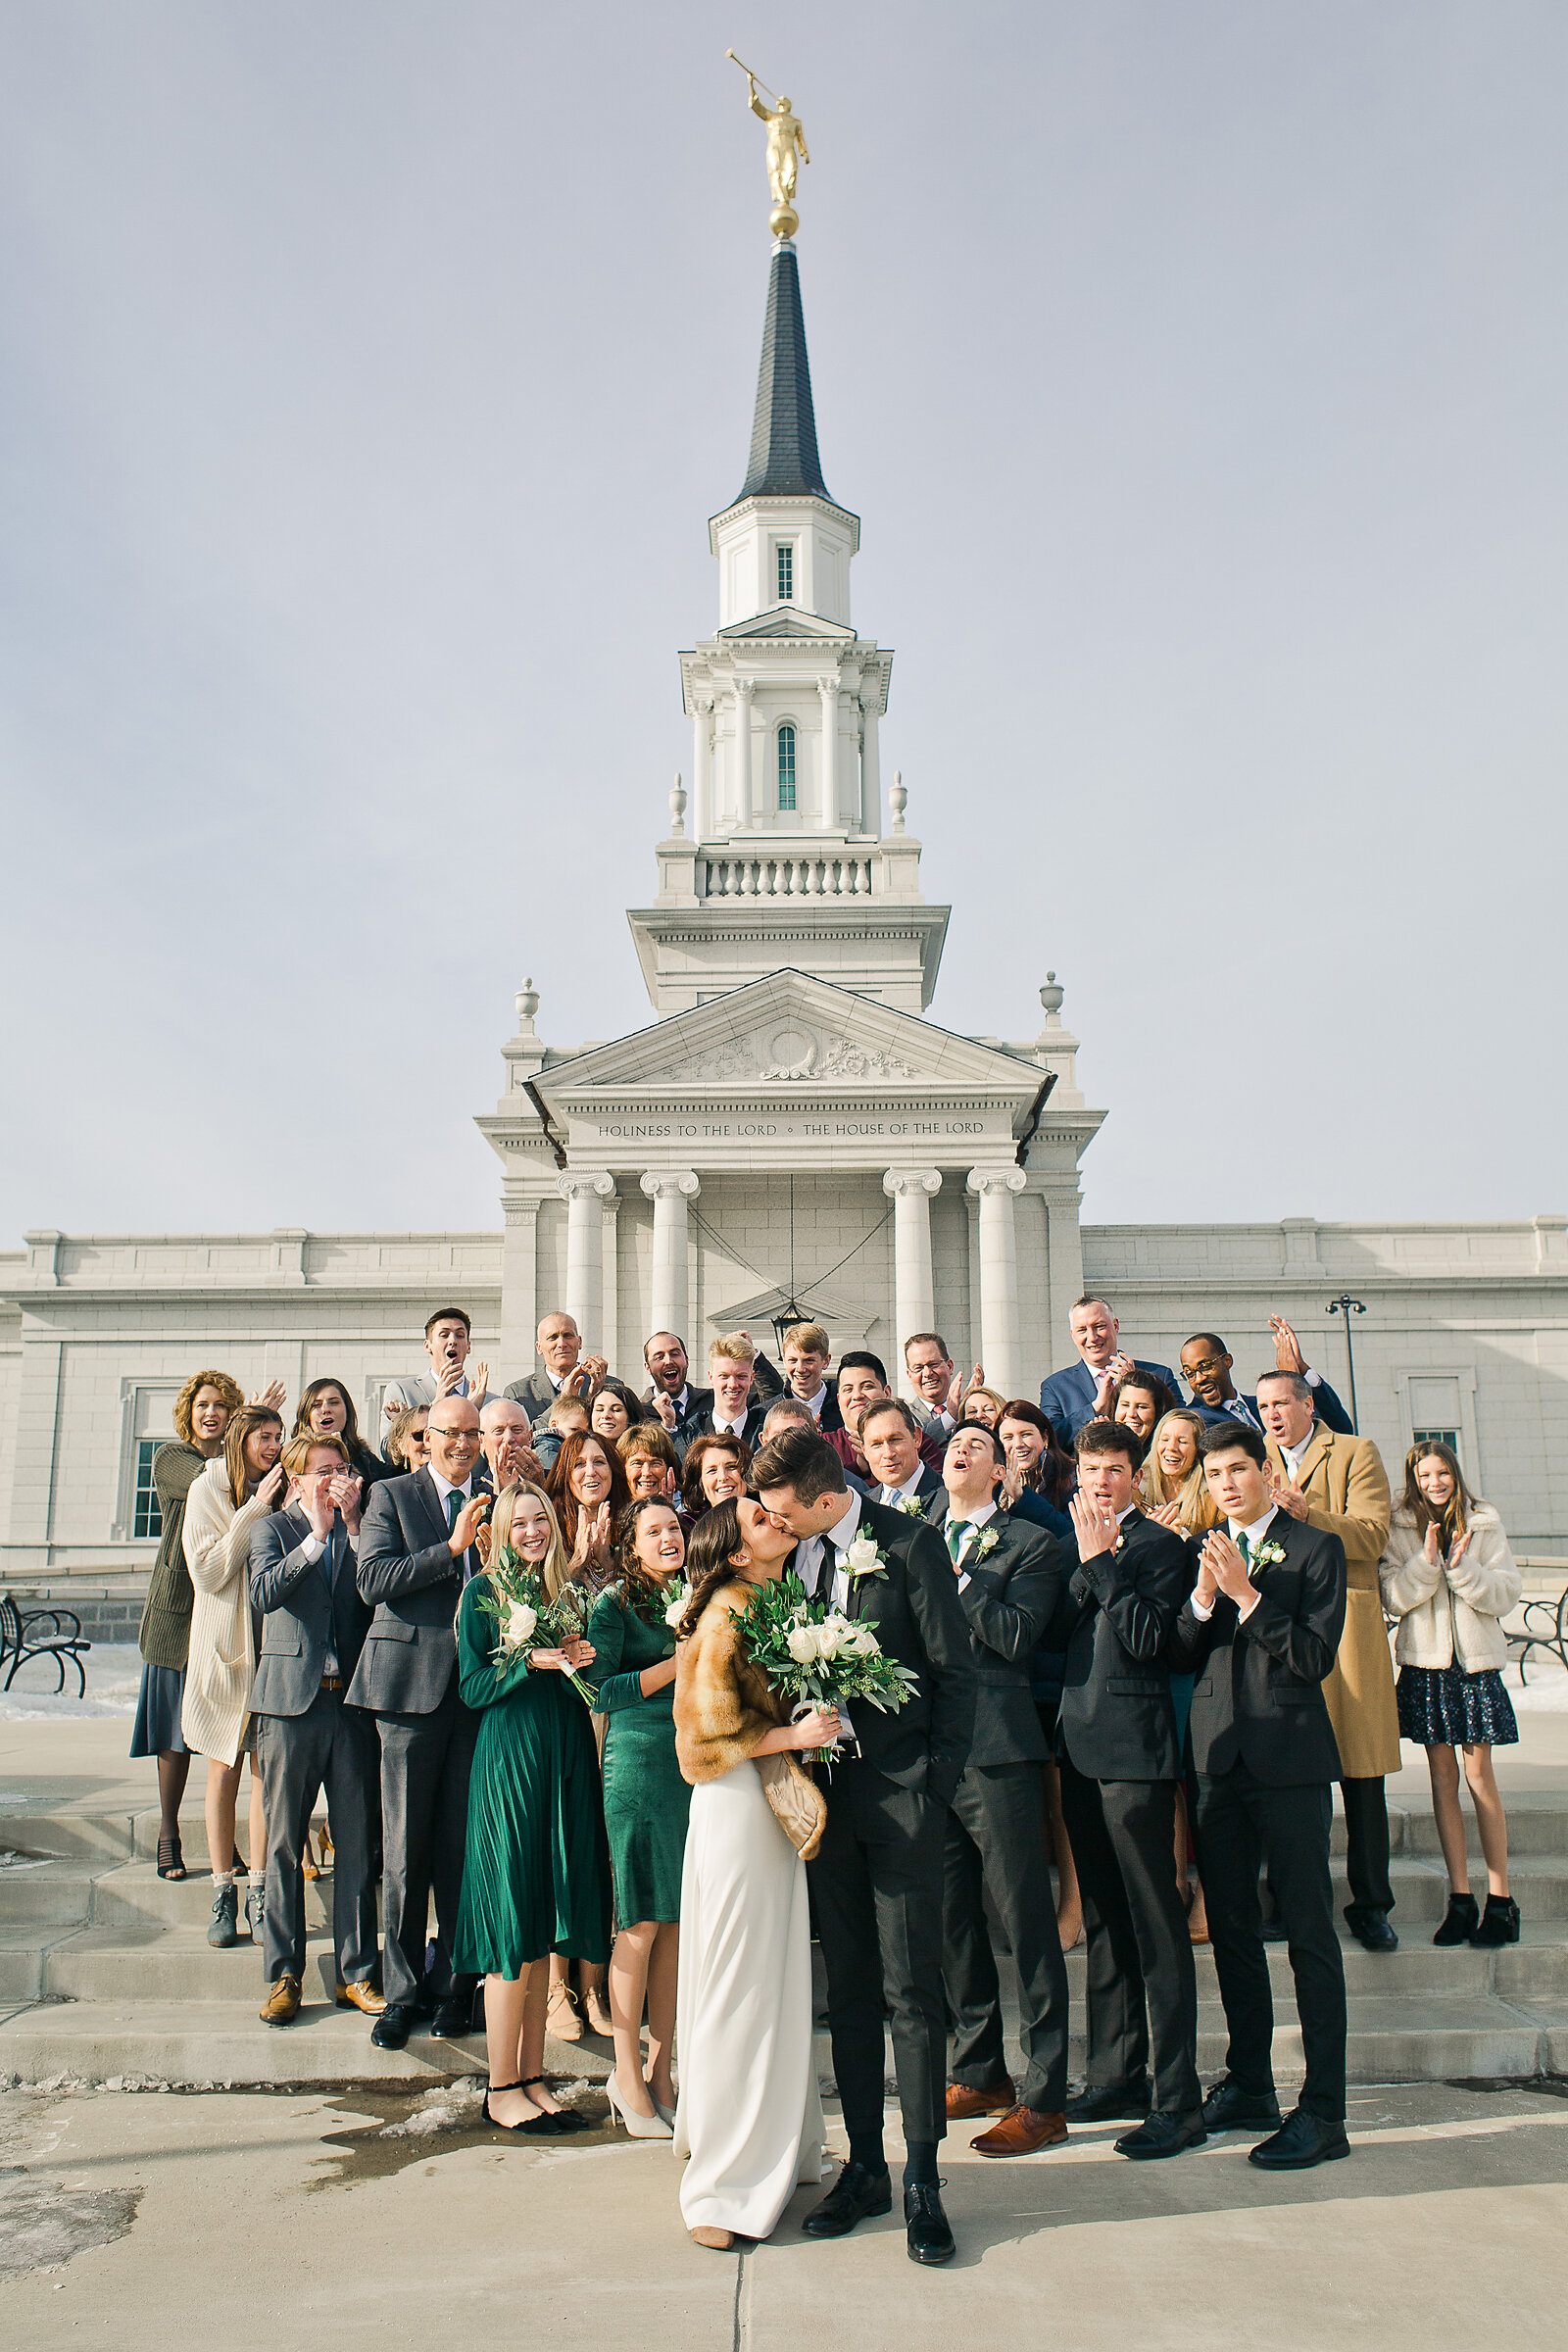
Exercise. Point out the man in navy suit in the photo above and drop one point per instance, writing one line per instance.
(1207, 1369)
(1083, 1391)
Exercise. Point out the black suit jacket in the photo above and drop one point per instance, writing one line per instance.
(1117, 1722)
(1258, 1697)
(701, 1424)
(306, 1614)
(1006, 1598)
(913, 1605)
(410, 1578)
(929, 1490)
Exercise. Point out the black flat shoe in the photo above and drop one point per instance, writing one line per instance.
(1229, 2108)
(564, 2118)
(1302, 2139)
(453, 2020)
(1502, 1922)
(930, 2240)
(532, 2127)
(854, 2196)
(393, 2027)
(1110, 2103)
(1371, 1928)
(1164, 2136)
(1460, 1920)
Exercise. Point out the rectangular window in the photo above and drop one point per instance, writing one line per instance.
(786, 765)
(148, 1518)
(1442, 1436)
(786, 573)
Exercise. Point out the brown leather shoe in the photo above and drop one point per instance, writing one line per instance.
(360, 1996)
(282, 2004)
(1022, 2132)
(964, 2101)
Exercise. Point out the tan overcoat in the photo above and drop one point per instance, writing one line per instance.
(1346, 1489)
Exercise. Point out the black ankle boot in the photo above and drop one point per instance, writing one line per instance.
(1502, 1922)
(1459, 1922)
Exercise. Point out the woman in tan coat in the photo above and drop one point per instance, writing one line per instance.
(227, 1504)
(747, 2115)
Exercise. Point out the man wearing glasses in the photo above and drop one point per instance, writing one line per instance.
(1207, 1369)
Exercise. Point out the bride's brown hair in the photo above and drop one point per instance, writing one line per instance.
(709, 1568)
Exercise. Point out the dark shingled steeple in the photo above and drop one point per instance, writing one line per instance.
(784, 461)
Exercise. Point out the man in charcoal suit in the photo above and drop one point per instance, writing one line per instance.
(877, 1878)
(1261, 1629)
(894, 1445)
(416, 1555)
(1120, 1764)
(1007, 1575)
(1082, 1392)
(308, 1737)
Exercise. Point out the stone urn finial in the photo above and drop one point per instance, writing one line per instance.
(1051, 997)
(677, 810)
(898, 800)
(527, 1006)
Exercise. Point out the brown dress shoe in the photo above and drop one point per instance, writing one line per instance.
(720, 2241)
(282, 2004)
(964, 2100)
(360, 1996)
(1022, 2132)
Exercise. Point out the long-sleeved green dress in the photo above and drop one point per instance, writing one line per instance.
(536, 1868)
(646, 1801)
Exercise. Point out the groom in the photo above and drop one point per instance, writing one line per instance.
(877, 1878)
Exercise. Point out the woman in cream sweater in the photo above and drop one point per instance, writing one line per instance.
(227, 1504)
(1447, 1576)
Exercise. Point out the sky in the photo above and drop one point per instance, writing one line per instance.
(369, 373)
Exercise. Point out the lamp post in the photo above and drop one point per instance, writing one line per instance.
(1347, 1307)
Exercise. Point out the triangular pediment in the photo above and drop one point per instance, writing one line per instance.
(788, 620)
(792, 1033)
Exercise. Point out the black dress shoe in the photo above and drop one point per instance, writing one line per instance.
(453, 2017)
(854, 2195)
(1371, 1928)
(926, 2225)
(1229, 2108)
(1164, 2136)
(1302, 2139)
(393, 2027)
(1110, 2103)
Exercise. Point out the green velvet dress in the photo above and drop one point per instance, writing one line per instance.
(536, 1870)
(646, 1801)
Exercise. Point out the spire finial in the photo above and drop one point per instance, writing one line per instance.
(527, 1002)
(786, 152)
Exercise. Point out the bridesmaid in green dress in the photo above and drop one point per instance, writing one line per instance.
(536, 1871)
(646, 1804)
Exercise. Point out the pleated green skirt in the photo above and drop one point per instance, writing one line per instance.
(536, 1870)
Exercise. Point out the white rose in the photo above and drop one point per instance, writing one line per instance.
(862, 1556)
(678, 1608)
(836, 1634)
(521, 1623)
(803, 1644)
(862, 1641)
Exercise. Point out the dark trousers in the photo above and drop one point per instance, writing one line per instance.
(1237, 1819)
(996, 1844)
(1366, 1841)
(330, 1746)
(877, 1886)
(425, 1761)
(1142, 1985)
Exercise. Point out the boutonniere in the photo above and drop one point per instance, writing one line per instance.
(863, 1558)
(911, 1506)
(1267, 1555)
(985, 1541)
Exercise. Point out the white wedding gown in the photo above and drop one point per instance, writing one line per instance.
(749, 2116)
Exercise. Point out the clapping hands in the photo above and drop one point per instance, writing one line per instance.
(592, 1545)
(1224, 1570)
(1093, 1525)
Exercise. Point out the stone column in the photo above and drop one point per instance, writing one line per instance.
(519, 1292)
(744, 690)
(870, 768)
(583, 1191)
(913, 1291)
(829, 688)
(999, 1275)
(670, 1190)
(703, 769)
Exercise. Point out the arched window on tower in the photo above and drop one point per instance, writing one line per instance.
(786, 765)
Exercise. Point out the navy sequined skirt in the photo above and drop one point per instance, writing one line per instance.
(159, 1701)
(1441, 1706)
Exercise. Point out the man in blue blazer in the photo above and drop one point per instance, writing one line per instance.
(1083, 1391)
(1207, 1369)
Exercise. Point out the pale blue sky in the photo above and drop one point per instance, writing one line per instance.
(367, 375)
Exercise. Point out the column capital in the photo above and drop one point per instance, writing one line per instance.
(668, 1184)
(828, 688)
(996, 1179)
(580, 1184)
(898, 1181)
(745, 688)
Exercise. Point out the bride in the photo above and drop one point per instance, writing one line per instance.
(747, 2115)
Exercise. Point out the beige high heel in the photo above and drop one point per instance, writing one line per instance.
(641, 2127)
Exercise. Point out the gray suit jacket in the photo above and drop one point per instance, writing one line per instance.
(419, 1388)
(410, 1578)
(305, 1617)
(535, 1395)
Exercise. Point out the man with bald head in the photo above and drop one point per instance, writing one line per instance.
(559, 1345)
(504, 1436)
(417, 1552)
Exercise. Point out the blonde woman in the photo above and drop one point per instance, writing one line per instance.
(536, 1865)
(1447, 1575)
(227, 1504)
(1172, 1489)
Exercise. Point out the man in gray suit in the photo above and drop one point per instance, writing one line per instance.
(308, 1737)
(415, 1557)
(559, 1345)
(447, 1335)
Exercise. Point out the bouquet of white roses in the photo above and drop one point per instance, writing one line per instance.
(528, 1619)
(815, 1656)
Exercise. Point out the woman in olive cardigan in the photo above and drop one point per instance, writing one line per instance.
(201, 1415)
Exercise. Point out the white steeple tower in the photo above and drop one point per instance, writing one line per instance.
(786, 861)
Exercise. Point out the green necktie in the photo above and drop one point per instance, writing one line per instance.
(958, 1529)
(454, 1510)
(1245, 1548)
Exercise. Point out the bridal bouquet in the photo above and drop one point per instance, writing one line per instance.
(814, 1656)
(527, 1617)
